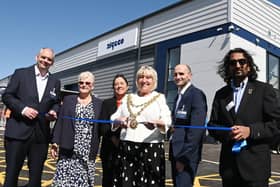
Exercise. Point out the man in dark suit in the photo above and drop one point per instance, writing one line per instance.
(33, 96)
(190, 109)
(250, 108)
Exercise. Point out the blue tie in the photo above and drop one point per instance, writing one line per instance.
(178, 101)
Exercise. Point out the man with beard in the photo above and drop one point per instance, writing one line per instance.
(249, 107)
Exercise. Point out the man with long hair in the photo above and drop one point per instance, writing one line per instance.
(249, 107)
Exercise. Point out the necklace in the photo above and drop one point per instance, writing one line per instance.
(132, 116)
(134, 105)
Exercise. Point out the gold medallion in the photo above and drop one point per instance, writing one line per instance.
(132, 120)
(133, 123)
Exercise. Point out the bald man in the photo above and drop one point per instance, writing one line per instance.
(33, 96)
(190, 109)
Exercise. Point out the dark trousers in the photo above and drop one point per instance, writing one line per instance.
(233, 178)
(16, 152)
(108, 172)
(186, 177)
(242, 183)
(108, 153)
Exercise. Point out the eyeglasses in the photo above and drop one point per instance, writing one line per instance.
(82, 82)
(240, 61)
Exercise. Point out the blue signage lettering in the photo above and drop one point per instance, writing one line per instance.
(115, 43)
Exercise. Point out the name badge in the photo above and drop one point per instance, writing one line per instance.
(52, 93)
(181, 114)
(230, 106)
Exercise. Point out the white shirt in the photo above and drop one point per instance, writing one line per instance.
(238, 93)
(181, 93)
(157, 110)
(41, 82)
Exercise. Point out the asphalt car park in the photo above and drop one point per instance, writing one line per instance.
(207, 175)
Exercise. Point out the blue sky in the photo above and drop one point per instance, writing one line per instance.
(28, 25)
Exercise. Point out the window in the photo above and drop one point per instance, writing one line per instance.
(173, 60)
(273, 70)
(72, 87)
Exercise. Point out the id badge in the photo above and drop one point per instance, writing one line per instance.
(230, 105)
(181, 114)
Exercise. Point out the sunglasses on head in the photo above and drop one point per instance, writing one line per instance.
(86, 83)
(240, 61)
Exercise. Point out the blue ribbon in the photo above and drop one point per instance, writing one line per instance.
(236, 147)
(203, 127)
(176, 126)
(88, 119)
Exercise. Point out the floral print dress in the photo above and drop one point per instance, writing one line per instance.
(79, 170)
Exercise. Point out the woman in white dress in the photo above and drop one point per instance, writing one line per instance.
(144, 119)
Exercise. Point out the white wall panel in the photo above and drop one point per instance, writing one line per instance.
(258, 54)
(203, 56)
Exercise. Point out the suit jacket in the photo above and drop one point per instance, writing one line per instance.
(21, 92)
(187, 143)
(259, 110)
(109, 106)
(64, 130)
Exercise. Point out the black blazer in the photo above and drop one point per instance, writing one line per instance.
(258, 110)
(21, 92)
(109, 107)
(63, 133)
(187, 143)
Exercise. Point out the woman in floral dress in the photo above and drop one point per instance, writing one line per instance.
(75, 142)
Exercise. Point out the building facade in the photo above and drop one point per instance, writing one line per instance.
(194, 32)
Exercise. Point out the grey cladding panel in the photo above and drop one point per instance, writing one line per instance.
(106, 70)
(121, 64)
(147, 56)
(187, 18)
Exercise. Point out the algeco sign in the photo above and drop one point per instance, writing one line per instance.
(118, 42)
(113, 44)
